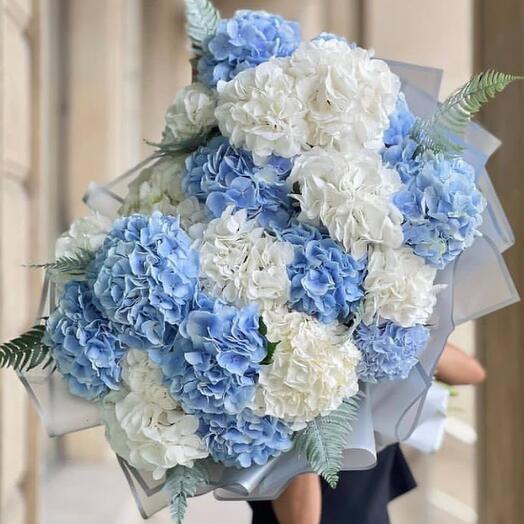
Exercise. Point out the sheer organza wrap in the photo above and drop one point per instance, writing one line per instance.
(477, 283)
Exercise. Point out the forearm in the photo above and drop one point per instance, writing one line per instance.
(301, 502)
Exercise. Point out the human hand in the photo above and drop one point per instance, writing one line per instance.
(301, 502)
(456, 368)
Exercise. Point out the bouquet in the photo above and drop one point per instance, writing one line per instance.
(269, 292)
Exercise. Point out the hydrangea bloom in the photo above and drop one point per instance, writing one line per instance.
(241, 264)
(192, 114)
(326, 282)
(389, 351)
(221, 176)
(157, 188)
(244, 41)
(260, 110)
(352, 196)
(214, 364)
(442, 207)
(144, 425)
(399, 287)
(399, 148)
(85, 233)
(245, 439)
(83, 345)
(145, 278)
(347, 93)
(313, 368)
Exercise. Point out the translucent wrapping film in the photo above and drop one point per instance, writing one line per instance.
(477, 283)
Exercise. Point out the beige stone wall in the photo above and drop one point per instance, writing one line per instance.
(18, 246)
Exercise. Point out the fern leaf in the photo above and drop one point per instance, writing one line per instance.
(26, 351)
(458, 109)
(171, 145)
(201, 22)
(323, 440)
(72, 266)
(181, 483)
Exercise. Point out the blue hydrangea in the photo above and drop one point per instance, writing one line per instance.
(213, 366)
(244, 41)
(85, 350)
(442, 209)
(245, 439)
(326, 281)
(399, 148)
(389, 351)
(220, 176)
(145, 278)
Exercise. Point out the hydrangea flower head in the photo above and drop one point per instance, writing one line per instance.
(145, 278)
(399, 148)
(389, 351)
(442, 208)
(145, 425)
(244, 41)
(213, 367)
(220, 176)
(313, 368)
(84, 347)
(245, 439)
(326, 281)
(241, 264)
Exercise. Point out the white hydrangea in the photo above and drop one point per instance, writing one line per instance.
(193, 112)
(157, 188)
(313, 368)
(240, 264)
(144, 425)
(259, 110)
(348, 94)
(85, 233)
(351, 195)
(327, 93)
(399, 286)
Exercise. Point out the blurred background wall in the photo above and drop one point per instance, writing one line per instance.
(82, 83)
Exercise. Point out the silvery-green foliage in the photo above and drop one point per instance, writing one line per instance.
(73, 267)
(182, 482)
(453, 116)
(201, 21)
(323, 440)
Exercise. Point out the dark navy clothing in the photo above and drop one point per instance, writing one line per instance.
(361, 497)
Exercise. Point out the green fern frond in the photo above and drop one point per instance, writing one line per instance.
(170, 145)
(182, 482)
(201, 21)
(26, 351)
(322, 442)
(453, 116)
(73, 266)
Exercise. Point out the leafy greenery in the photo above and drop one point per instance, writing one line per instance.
(181, 483)
(71, 266)
(26, 351)
(458, 109)
(323, 440)
(271, 346)
(201, 21)
(171, 145)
